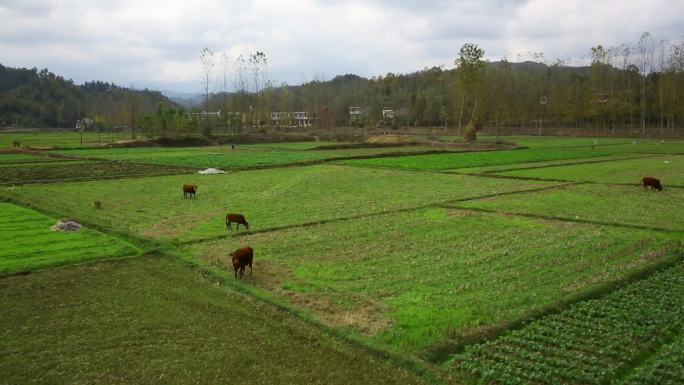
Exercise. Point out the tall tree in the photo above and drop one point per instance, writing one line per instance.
(469, 68)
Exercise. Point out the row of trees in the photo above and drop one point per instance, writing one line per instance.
(626, 89)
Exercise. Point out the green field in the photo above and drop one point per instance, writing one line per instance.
(621, 205)
(413, 280)
(226, 158)
(669, 169)
(76, 170)
(154, 321)
(593, 342)
(34, 245)
(7, 158)
(496, 158)
(63, 139)
(155, 207)
(292, 145)
(497, 277)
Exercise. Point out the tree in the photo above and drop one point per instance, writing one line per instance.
(469, 68)
(207, 59)
(645, 66)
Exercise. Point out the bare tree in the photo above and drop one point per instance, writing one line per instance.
(207, 59)
(645, 67)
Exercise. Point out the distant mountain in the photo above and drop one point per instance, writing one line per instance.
(187, 100)
(39, 98)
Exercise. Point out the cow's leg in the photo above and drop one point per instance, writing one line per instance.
(250, 269)
(238, 226)
(236, 269)
(229, 227)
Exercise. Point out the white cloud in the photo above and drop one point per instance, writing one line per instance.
(157, 43)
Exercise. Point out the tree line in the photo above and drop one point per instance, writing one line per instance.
(628, 89)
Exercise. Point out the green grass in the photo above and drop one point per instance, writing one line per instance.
(75, 170)
(593, 342)
(21, 157)
(492, 158)
(669, 169)
(412, 280)
(224, 157)
(626, 205)
(153, 321)
(155, 207)
(64, 139)
(292, 145)
(561, 162)
(561, 141)
(28, 243)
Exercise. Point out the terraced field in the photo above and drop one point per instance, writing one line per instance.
(76, 170)
(225, 158)
(606, 204)
(34, 245)
(668, 168)
(154, 207)
(539, 281)
(593, 342)
(410, 281)
(156, 321)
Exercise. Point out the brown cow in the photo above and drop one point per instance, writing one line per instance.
(237, 218)
(189, 190)
(241, 258)
(651, 182)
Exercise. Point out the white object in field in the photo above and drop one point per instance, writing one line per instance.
(212, 170)
(66, 225)
(667, 161)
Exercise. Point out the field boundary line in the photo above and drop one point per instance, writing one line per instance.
(443, 353)
(441, 204)
(567, 219)
(587, 161)
(414, 364)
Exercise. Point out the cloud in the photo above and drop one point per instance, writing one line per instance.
(156, 43)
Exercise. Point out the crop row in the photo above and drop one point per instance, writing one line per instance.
(19, 173)
(590, 342)
(665, 368)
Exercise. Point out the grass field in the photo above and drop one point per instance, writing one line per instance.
(622, 205)
(225, 158)
(7, 158)
(403, 255)
(594, 342)
(75, 170)
(412, 280)
(35, 246)
(669, 169)
(154, 321)
(155, 207)
(493, 158)
(57, 139)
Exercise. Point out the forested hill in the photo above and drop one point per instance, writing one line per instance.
(39, 98)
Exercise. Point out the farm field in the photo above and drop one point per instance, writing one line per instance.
(621, 205)
(35, 246)
(152, 320)
(410, 258)
(6, 158)
(497, 158)
(669, 169)
(533, 165)
(557, 141)
(226, 158)
(595, 341)
(56, 139)
(293, 145)
(75, 170)
(373, 277)
(154, 207)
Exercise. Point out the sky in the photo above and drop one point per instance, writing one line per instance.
(157, 44)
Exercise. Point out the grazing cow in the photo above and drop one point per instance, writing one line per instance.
(241, 258)
(189, 190)
(653, 183)
(237, 218)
